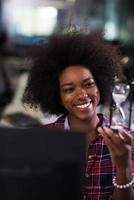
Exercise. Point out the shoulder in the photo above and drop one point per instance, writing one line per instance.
(59, 123)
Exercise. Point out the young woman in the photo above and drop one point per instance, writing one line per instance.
(72, 75)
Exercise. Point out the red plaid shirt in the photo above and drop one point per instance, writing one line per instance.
(99, 171)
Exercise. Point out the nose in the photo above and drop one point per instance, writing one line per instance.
(81, 93)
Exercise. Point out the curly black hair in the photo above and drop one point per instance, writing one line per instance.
(61, 51)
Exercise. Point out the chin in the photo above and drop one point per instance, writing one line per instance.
(85, 117)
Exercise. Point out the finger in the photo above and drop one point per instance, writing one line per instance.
(100, 130)
(125, 137)
(113, 136)
(105, 132)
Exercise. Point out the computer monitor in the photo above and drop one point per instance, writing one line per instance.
(41, 164)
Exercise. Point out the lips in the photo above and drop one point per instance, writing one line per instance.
(83, 105)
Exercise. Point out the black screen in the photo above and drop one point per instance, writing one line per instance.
(42, 164)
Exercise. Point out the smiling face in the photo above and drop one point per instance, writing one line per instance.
(79, 93)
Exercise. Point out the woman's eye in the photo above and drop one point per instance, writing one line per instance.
(68, 90)
(91, 84)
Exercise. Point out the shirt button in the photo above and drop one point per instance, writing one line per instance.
(86, 175)
(92, 156)
(84, 197)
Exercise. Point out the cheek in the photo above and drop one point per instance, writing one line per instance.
(98, 95)
(95, 92)
(65, 100)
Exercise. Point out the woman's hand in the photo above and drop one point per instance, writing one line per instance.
(119, 144)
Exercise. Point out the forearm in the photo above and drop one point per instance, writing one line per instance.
(124, 177)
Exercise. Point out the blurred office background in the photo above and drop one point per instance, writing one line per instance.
(27, 23)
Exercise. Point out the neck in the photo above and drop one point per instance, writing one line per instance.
(89, 124)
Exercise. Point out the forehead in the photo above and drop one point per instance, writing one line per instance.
(75, 72)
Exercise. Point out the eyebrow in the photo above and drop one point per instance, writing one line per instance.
(71, 83)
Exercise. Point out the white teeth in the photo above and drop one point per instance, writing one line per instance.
(83, 106)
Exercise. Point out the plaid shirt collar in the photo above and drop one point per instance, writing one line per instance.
(102, 122)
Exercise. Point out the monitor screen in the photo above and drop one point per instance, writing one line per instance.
(41, 163)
